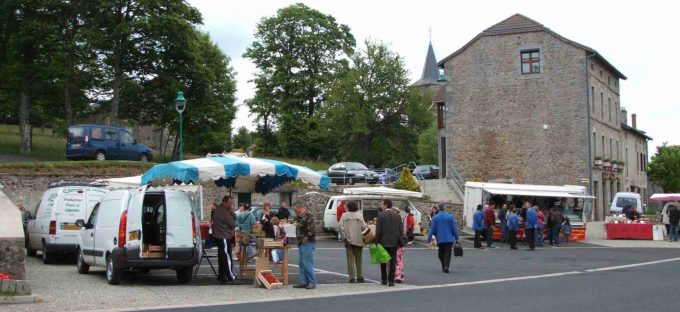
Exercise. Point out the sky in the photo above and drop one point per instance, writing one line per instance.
(640, 38)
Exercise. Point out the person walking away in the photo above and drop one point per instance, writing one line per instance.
(399, 273)
(284, 213)
(489, 222)
(338, 214)
(549, 225)
(503, 219)
(388, 232)
(410, 225)
(223, 226)
(557, 219)
(566, 229)
(530, 224)
(305, 233)
(674, 220)
(513, 226)
(352, 225)
(538, 238)
(477, 226)
(443, 228)
(245, 222)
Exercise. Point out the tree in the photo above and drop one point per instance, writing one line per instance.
(664, 169)
(372, 109)
(427, 145)
(298, 53)
(242, 139)
(406, 181)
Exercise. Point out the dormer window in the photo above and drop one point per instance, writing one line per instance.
(531, 62)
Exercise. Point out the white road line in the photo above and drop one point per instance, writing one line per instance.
(632, 265)
(333, 273)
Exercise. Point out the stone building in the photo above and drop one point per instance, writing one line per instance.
(523, 104)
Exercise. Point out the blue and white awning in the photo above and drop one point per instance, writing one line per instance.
(242, 174)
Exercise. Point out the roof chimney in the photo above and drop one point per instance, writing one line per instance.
(624, 115)
(633, 120)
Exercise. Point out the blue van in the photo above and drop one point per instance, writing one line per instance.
(104, 142)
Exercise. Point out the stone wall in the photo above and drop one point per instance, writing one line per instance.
(11, 239)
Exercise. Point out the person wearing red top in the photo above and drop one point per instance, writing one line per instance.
(338, 214)
(539, 227)
(489, 222)
(410, 225)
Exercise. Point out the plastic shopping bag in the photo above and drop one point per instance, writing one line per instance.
(378, 254)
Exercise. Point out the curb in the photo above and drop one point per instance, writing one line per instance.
(18, 299)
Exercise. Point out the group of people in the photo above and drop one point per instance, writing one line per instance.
(225, 223)
(534, 220)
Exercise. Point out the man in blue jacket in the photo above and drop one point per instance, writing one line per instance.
(530, 225)
(478, 226)
(443, 227)
(512, 226)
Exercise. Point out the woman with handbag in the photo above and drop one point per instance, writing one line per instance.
(443, 227)
(352, 227)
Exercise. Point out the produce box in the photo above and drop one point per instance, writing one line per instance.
(270, 242)
(269, 280)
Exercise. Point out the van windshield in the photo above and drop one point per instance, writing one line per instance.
(76, 134)
(625, 201)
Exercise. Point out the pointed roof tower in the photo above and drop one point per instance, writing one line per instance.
(430, 70)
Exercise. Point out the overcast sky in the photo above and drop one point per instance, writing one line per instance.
(639, 38)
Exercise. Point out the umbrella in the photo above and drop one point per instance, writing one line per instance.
(242, 174)
(381, 190)
(665, 197)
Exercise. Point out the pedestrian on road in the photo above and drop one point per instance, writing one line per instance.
(566, 229)
(305, 233)
(477, 226)
(388, 232)
(530, 225)
(549, 225)
(284, 213)
(489, 222)
(538, 238)
(399, 273)
(443, 228)
(674, 220)
(352, 225)
(409, 225)
(513, 225)
(557, 220)
(503, 219)
(224, 224)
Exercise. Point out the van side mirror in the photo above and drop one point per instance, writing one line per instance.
(80, 223)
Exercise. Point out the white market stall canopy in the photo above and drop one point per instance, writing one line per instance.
(136, 181)
(381, 190)
(665, 197)
(566, 191)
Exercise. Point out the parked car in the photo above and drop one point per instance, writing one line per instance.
(350, 173)
(257, 211)
(104, 142)
(426, 172)
(368, 206)
(141, 229)
(53, 228)
(387, 175)
(623, 199)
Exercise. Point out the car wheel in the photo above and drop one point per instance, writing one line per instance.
(113, 275)
(143, 157)
(82, 267)
(30, 251)
(100, 155)
(46, 256)
(184, 274)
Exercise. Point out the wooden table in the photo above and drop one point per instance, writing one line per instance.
(262, 263)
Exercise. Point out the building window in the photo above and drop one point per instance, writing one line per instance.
(602, 105)
(592, 98)
(609, 108)
(626, 159)
(617, 151)
(601, 74)
(616, 83)
(531, 62)
(594, 143)
(609, 80)
(592, 66)
(618, 111)
(611, 153)
(603, 158)
(440, 115)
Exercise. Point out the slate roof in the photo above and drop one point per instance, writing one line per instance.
(519, 23)
(636, 131)
(430, 70)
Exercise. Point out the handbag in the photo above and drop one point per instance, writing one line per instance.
(367, 235)
(457, 250)
(378, 254)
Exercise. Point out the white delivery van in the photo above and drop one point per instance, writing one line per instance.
(142, 229)
(53, 228)
(623, 199)
(368, 205)
(664, 212)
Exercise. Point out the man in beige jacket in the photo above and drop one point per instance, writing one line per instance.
(352, 225)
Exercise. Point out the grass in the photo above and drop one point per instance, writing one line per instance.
(87, 167)
(45, 146)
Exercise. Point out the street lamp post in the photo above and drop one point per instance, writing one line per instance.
(180, 105)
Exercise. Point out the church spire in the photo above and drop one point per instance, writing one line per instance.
(430, 70)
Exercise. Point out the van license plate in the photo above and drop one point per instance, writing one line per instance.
(133, 236)
(75, 145)
(70, 227)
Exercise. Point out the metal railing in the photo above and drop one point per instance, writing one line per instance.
(456, 181)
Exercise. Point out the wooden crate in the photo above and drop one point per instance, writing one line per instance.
(266, 283)
(270, 242)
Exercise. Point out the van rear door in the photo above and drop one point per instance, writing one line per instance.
(134, 221)
(75, 143)
(179, 218)
(330, 215)
(71, 207)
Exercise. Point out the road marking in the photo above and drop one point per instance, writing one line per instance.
(631, 265)
(333, 273)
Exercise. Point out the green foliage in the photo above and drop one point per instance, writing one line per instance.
(664, 169)
(406, 181)
(298, 52)
(242, 139)
(371, 109)
(427, 145)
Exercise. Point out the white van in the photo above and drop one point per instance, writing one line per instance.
(623, 199)
(664, 212)
(368, 205)
(141, 229)
(53, 229)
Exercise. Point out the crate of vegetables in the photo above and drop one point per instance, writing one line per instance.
(268, 279)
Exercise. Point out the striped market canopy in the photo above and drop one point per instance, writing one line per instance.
(242, 174)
